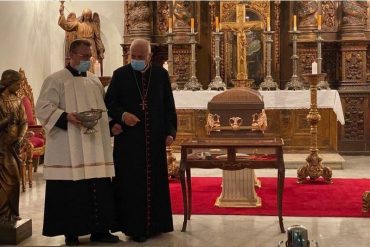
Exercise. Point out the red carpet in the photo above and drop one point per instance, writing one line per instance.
(343, 198)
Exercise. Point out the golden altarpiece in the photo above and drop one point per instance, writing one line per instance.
(345, 58)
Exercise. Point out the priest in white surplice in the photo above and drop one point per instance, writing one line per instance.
(77, 167)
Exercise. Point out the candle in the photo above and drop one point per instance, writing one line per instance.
(169, 24)
(314, 67)
(192, 25)
(268, 24)
(217, 25)
(319, 22)
(97, 68)
(294, 23)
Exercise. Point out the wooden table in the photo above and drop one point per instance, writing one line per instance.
(231, 154)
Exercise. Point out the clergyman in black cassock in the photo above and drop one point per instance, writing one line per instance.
(140, 98)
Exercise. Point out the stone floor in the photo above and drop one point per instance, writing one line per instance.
(227, 231)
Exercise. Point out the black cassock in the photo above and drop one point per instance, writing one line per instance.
(141, 183)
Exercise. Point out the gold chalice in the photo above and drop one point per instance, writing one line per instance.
(89, 119)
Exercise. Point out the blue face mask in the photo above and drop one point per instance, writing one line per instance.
(138, 65)
(83, 66)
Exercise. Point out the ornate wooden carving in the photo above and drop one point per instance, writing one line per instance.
(183, 11)
(329, 21)
(354, 62)
(354, 116)
(138, 19)
(163, 12)
(368, 65)
(228, 12)
(181, 59)
(354, 14)
(306, 11)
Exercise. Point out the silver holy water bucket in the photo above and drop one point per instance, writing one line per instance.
(297, 237)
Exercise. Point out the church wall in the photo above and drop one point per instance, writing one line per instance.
(32, 39)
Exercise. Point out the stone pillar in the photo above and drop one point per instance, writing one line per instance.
(238, 189)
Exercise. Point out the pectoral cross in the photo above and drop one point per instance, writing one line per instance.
(143, 103)
(240, 27)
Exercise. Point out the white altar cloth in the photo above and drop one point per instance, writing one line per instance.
(281, 99)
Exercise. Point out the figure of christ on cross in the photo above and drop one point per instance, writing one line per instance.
(241, 27)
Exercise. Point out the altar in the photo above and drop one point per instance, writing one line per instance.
(286, 112)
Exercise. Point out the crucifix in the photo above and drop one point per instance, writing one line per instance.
(241, 27)
(143, 103)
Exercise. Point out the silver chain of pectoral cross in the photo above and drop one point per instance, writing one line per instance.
(143, 95)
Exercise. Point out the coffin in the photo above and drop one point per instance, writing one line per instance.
(236, 112)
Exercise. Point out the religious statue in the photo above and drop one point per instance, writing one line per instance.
(140, 15)
(354, 12)
(307, 13)
(13, 127)
(182, 11)
(70, 36)
(85, 27)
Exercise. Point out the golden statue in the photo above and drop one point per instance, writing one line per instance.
(13, 126)
(85, 27)
(240, 27)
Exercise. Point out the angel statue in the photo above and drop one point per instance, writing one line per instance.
(87, 26)
(13, 127)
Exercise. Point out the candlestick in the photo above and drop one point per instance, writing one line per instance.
(169, 24)
(217, 83)
(314, 167)
(193, 83)
(319, 22)
(294, 23)
(192, 25)
(217, 25)
(268, 24)
(268, 83)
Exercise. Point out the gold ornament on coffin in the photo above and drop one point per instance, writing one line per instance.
(235, 122)
(259, 122)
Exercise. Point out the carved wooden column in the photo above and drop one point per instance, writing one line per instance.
(354, 15)
(354, 89)
(307, 12)
(183, 11)
(138, 20)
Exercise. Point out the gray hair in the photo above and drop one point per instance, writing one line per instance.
(141, 42)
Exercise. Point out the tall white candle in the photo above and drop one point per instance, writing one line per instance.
(314, 67)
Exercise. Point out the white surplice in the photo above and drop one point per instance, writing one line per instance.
(71, 154)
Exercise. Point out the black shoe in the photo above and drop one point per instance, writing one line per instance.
(139, 239)
(104, 238)
(71, 240)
